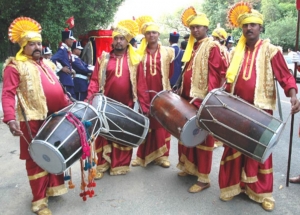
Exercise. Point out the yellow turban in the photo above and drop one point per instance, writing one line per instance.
(146, 24)
(241, 13)
(21, 31)
(191, 17)
(129, 29)
(220, 33)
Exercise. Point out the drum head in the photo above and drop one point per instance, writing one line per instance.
(47, 157)
(191, 135)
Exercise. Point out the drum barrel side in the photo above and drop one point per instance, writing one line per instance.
(171, 111)
(237, 123)
(126, 126)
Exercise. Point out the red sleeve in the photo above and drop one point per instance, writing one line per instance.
(142, 94)
(11, 82)
(94, 81)
(282, 74)
(216, 68)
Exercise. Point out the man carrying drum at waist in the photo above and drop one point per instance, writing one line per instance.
(197, 80)
(254, 65)
(116, 75)
(33, 80)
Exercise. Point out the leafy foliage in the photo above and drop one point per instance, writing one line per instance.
(88, 14)
(279, 19)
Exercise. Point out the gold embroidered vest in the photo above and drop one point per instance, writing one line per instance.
(167, 55)
(103, 60)
(199, 84)
(265, 88)
(30, 91)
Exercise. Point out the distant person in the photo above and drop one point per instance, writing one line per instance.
(46, 53)
(220, 35)
(133, 42)
(83, 72)
(186, 37)
(173, 40)
(63, 57)
(183, 45)
(229, 43)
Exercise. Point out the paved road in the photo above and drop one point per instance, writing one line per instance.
(151, 190)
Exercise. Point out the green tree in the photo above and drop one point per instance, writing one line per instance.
(282, 32)
(88, 14)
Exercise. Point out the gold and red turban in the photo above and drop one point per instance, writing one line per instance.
(21, 31)
(191, 17)
(129, 29)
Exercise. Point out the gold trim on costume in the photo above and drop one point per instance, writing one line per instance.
(230, 191)
(99, 150)
(153, 63)
(265, 91)
(199, 83)
(231, 157)
(103, 167)
(120, 170)
(39, 204)
(154, 155)
(258, 197)
(37, 176)
(121, 147)
(57, 190)
(204, 148)
(107, 150)
(247, 179)
(30, 91)
(265, 171)
(119, 67)
(190, 168)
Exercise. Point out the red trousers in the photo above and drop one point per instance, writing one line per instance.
(156, 147)
(197, 160)
(238, 172)
(112, 155)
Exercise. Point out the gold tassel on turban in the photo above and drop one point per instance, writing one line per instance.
(129, 29)
(191, 17)
(146, 23)
(241, 13)
(21, 31)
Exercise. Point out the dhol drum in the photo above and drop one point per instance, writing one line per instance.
(239, 124)
(120, 123)
(178, 117)
(58, 143)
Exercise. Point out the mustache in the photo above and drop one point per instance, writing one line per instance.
(36, 51)
(249, 32)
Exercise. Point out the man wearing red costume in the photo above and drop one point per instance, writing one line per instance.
(203, 72)
(157, 66)
(254, 65)
(39, 94)
(122, 83)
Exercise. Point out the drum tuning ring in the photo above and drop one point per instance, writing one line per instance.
(179, 129)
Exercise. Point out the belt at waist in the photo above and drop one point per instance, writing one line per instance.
(81, 76)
